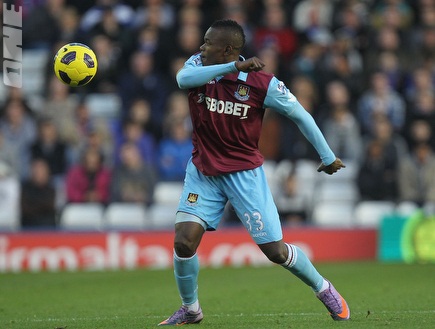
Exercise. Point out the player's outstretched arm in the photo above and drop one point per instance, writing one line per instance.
(332, 168)
(194, 75)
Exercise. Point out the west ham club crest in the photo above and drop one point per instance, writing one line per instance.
(242, 93)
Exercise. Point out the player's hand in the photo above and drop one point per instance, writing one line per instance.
(251, 64)
(332, 168)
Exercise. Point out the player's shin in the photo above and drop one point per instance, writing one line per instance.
(186, 275)
(299, 264)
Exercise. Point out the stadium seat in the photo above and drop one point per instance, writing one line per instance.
(168, 193)
(9, 203)
(269, 167)
(406, 208)
(34, 70)
(333, 214)
(82, 216)
(35, 60)
(336, 190)
(162, 216)
(105, 106)
(126, 216)
(307, 178)
(370, 213)
(306, 170)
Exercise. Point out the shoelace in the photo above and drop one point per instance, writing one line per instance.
(329, 298)
(182, 311)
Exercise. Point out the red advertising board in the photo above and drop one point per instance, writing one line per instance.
(55, 251)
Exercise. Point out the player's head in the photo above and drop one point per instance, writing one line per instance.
(223, 42)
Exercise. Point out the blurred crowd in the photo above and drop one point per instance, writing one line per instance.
(364, 69)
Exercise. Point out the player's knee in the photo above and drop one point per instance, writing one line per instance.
(276, 256)
(276, 252)
(184, 248)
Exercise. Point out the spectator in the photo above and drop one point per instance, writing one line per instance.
(133, 132)
(339, 69)
(108, 55)
(291, 203)
(157, 13)
(386, 39)
(307, 60)
(48, 147)
(240, 14)
(60, 106)
(377, 176)
(296, 146)
(341, 128)
(140, 113)
(156, 42)
(381, 100)
(69, 26)
(124, 14)
(312, 16)
(350, 18)
(190, 15)
(43, 25)
(19, 131)
(343, 44)
(419, 82)
(189, 39)
(420, 132)
(133, 179)
(417, 175)
(394, 144)
(394, 13)
(143, 81)
(178, 108)
(89, 181)
(276, 33)
(110, 27)
(175, 151)
(390, 66)
(270, 57)
(98, 140)
(377, 179)
(38, 196)
(87, 130)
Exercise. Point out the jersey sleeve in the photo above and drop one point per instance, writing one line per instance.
(280, 99)
(193, 74)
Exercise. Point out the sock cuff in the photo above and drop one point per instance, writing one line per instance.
(292, 256)
(183, 259)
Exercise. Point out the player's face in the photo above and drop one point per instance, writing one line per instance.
(213, 48)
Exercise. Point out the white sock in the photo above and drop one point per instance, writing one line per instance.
(325, 286)
(193, 307)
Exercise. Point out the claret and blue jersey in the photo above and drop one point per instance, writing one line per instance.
(228, 116)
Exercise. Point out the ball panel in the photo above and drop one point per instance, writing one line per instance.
(64, 77)
(88, 61)
(68, 58)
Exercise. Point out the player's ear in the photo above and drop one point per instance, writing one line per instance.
(228, 50)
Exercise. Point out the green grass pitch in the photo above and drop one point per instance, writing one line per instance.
(379, 295)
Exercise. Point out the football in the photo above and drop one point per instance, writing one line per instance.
(75, 64)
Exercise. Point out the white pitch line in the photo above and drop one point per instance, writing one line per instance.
(208, 315)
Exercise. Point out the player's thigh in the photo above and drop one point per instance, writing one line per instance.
(253, 202)
(202, 198)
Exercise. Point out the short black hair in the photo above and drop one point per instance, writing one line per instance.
(232, 26)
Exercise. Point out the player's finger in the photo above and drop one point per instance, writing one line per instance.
(321, 167)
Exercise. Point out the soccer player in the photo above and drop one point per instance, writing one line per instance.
(227, 98)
